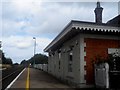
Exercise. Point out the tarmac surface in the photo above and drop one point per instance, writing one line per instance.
(34, 78)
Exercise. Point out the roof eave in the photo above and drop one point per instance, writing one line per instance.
(84, 26)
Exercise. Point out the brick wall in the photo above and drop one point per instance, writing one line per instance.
(94, 48)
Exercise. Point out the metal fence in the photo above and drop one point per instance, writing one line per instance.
(43, 67)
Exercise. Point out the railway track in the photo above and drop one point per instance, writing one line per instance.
(9, 75)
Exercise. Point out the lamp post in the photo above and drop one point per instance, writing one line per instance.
(34, 48)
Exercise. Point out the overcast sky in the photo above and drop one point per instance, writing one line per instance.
(21, 20)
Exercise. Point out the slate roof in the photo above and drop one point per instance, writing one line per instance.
(115, 21)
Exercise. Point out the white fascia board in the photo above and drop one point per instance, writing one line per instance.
(96, 27)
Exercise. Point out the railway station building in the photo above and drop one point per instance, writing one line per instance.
(73, 51)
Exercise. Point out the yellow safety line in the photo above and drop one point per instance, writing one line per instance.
(27, 81)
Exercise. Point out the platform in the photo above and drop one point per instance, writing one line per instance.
(34, 78)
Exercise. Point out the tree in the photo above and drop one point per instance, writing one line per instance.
(0, 53)
(39, 59)
(16, 64)
(6, 60)
(114, 62)
(9, 61)
(24, 63)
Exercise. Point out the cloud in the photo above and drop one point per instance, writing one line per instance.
(66, 0)
(21, 20)
(24, 42)
(21, 47)
(19, 42)
(44, 14)
(46, 18)
(119, 7)
(49, 20)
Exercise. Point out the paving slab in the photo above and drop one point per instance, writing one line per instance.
(38, 79)
(41, 79)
